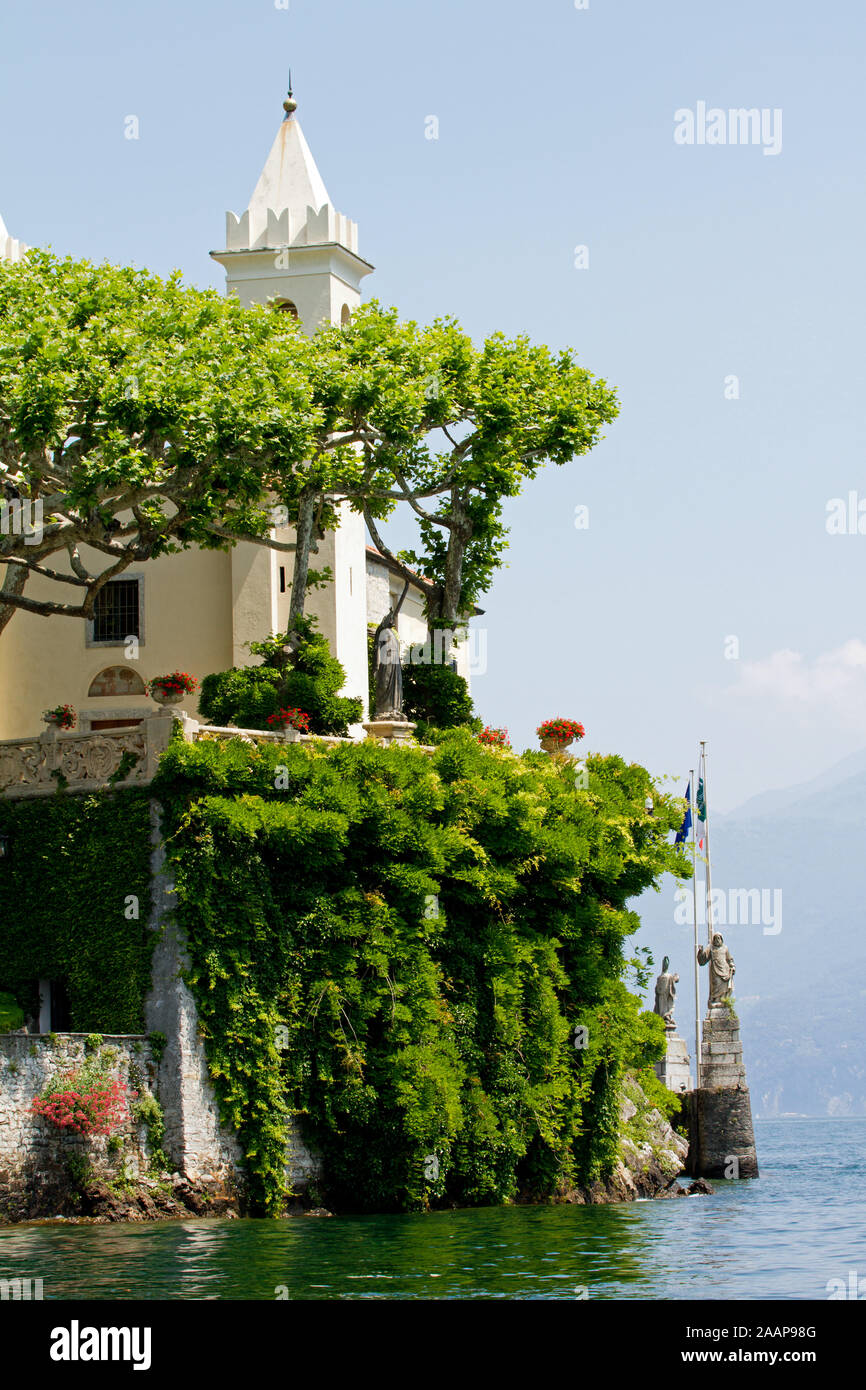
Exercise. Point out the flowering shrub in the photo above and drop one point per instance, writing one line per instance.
(178, 683)
(563, 730)
(494, 738)
(295, 718)
(62, 715)
(86, 1100)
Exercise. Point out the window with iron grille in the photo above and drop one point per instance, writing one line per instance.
(116, 612)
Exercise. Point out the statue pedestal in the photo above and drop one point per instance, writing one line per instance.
(388, 731)
(721, 1134)
(721, 1050)
(673, 1069)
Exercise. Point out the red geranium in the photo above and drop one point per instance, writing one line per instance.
(494, 738)
(62, 715)
(563, 730)
(178, 683)
(294, 718)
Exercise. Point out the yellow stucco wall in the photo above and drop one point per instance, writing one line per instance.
(187, 626)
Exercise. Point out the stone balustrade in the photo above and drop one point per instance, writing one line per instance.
(41, 765)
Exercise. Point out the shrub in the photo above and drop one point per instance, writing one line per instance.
(86, 1100)
(297, 673)
(436, 698)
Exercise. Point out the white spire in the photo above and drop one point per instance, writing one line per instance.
(290, 205)
(10, 249)
(289, 179)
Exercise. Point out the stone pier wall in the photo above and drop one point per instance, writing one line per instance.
(721, 1135)
(719, 1115)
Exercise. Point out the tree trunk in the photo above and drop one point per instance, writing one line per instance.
(458, 538)
(303, 541)
(16, 578)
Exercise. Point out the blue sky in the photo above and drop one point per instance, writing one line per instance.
(556, 126)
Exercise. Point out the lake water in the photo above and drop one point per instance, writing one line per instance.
(783, 1236)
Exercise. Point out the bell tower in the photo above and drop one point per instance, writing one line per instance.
(291, 245)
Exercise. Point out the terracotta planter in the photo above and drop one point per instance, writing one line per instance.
(167, 697)
(555, 745)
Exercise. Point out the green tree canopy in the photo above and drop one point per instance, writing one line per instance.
(143, 417)
(453, 430)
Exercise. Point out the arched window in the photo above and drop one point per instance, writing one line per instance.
(116, 680)
(286, 306)
(345, 315)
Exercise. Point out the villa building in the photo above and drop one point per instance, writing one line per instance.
(197, 610)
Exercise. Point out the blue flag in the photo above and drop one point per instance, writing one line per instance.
(683, 832)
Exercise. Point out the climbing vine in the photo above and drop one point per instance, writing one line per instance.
(74, 905)
(419, 956)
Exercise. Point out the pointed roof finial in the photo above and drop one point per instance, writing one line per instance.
(290, 105)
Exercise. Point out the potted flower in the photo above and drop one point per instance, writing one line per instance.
(557, 734)
(61, 717)
(290, 722)
(170, 690)
(494, 738)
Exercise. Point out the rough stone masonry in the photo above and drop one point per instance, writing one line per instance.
(721, 1135)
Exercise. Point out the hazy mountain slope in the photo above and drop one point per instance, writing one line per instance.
(801, 993)
(784, 798)
(806, 1047)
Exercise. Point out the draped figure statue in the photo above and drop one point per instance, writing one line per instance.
(722, 968)
(666, 992)
(388, 672)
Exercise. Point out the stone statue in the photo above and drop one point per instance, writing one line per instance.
(389, 673)
(666, 992)
(722, 968)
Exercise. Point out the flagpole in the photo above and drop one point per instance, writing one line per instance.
(707, 833)
(693, 814)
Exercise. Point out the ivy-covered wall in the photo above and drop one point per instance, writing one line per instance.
(422, 955)
(74, 905)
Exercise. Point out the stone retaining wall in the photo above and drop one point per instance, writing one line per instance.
(197, 1143)
(33, 1152)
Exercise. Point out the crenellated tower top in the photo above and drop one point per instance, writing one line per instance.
(10, 248)
(291, 239)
